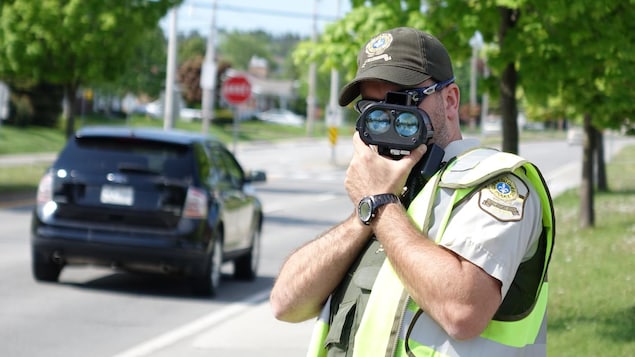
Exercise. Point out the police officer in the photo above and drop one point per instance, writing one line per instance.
(462, 270)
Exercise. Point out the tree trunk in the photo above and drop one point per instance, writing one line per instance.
(70, 98)
(587, 216)
(508, 82)
(602, 185)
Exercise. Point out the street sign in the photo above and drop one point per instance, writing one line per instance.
(236, 90)
(208, 75)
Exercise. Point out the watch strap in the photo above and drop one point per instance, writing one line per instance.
(383, 199)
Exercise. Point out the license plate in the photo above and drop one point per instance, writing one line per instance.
(117, 195)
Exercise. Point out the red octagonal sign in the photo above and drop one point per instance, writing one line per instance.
(236, 90)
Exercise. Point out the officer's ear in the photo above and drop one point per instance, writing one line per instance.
(451, 98)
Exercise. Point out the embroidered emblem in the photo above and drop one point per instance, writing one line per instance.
(376, 47)
(501, 200)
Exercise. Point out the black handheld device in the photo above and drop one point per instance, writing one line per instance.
(427, 166)
(396, 125)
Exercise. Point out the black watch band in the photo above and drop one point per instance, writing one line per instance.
(367, 207)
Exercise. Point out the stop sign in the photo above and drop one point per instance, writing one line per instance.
(236, 90)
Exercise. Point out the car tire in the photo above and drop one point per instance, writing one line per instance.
(44, 269)
(208, 283)
(246, 266)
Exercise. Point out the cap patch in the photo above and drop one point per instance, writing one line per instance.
(376, 47)
(501, 200)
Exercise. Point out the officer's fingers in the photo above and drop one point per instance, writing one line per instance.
(360, 146)
(415, 155)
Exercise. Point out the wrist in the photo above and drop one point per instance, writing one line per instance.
(369, 206)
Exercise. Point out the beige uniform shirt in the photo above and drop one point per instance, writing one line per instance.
(497, 228)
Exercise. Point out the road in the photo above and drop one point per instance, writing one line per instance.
(98, 312)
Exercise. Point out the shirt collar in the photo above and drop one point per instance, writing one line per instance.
(457, 147)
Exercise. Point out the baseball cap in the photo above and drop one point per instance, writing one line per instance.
(403, 56)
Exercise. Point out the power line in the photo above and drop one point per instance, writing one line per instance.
(261, 11)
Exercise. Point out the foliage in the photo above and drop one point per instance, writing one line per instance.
(238, 48)
(191, 46)
(144, 73)
(189, 76)
(587, 65)
(73, 42)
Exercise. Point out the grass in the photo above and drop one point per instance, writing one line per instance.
(29, 140)
(23, 178)
(592, 273)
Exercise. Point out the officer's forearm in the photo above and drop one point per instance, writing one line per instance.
(312, 272)
(457, 294)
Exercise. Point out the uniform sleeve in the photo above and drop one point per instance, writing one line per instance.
(497, 228)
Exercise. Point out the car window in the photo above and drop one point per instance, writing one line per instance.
(101, 154)
(229, 170)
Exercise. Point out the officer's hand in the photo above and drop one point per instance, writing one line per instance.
(370, 173)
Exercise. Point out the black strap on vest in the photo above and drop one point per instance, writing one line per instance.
(410, 327)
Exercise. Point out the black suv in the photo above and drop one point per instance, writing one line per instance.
(147, 200)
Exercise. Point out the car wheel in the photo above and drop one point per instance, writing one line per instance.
(44, 269)
(208, 283)
(246, 267)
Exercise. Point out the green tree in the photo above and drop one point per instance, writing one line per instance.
(191, 46)
(339, 43)
(145, 72)
(73, 42)
(588, 66)
(237, 47)
(574, 53)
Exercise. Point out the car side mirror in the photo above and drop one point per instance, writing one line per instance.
(256, 176)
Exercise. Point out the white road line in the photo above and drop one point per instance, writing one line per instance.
(192, 328)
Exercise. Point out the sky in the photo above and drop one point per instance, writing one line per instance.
(276, 17)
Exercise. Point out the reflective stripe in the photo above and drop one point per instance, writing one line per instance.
(548, 215)
(320, 330)
(420, 206)
(518, 338)
(374, 331)
(523, 332)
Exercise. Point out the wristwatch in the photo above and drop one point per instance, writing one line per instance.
(367, 207)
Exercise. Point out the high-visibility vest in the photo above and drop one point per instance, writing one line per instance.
(393, 325)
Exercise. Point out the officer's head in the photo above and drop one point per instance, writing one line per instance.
(403, 67)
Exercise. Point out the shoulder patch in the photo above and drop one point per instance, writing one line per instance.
(501, 200)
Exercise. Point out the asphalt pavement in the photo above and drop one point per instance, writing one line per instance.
(247, 327)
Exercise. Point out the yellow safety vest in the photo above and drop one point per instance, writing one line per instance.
(393, 325)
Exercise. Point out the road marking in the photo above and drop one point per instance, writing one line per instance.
(194, 327)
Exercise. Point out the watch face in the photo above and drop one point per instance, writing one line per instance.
(365, 210)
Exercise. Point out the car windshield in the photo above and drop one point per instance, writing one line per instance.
(129, 155)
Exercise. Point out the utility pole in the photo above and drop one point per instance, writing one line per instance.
(169, 110)
(476, 42)
(334, 112)
(311, 100)
(208, 75)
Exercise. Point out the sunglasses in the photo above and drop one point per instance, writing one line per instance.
(417, 95)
